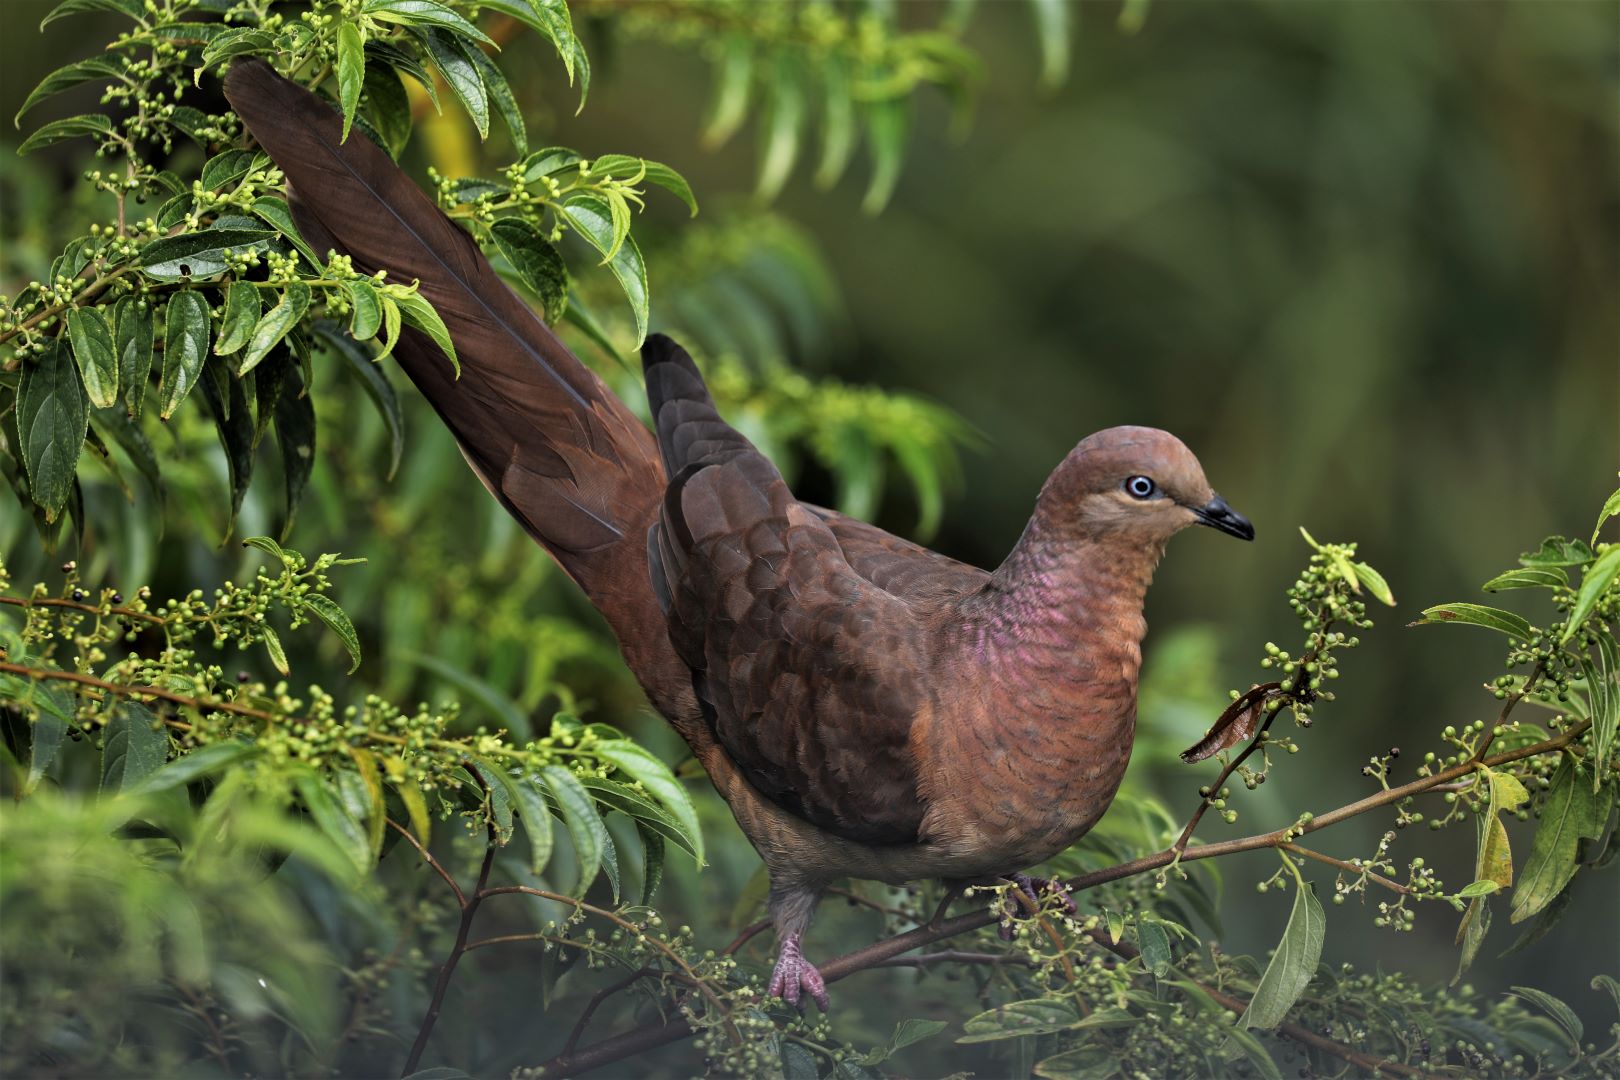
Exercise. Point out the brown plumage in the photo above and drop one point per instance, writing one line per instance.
(868, 708)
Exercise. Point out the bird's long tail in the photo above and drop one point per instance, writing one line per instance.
(568, 459)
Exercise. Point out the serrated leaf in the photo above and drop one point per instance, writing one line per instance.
(1566, 817)
(242, 310)
(274, 209)
(535, 813)
(327, 610)
(420, 314)
(1374, 581)
(1529, 577)
(1557, 551)
(1594, 583)
(671, 181)
(540, 265)
(194, 765)
(1611, 508)
(134, 747)
(65, 78)
(365, 316)
(592, 218)
(275, 324)
(500, 94)
(45, 743)
(1603, 687)
(1562, 1015)
(334, 819)
(185, 347)
(461, 73)
(278, 655)
(134, 333)
(1036, 1016)
(415, 805)
(646, 769)
(351, 71)
(295, 432)
(53, 415)
(376, 385)
(652, 846)
(548, 162)
(93, 348)
(416, 13)
(1155, 944)
(198, 255)
(1292, 965)
(69, 128)
(585, 826)
(1477, 615)
(1478, 888)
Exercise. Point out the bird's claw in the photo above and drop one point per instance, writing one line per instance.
(795, 977)
(1032, 887)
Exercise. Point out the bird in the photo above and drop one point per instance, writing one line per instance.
(868, 708)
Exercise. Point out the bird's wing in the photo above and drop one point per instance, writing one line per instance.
(810, 675)
(897, 566)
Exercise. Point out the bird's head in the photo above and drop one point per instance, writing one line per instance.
(1141, 484)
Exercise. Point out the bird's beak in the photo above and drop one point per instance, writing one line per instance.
(1218, 515)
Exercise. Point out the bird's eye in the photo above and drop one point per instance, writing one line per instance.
(1140, 487)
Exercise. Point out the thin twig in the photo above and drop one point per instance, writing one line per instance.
(747, 935)
(1348, 867)
(650, 1036)
(427, 856)
(90, 609)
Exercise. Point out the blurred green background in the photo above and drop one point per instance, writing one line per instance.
(1363, 258)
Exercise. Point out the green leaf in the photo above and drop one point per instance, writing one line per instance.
(391, 326)
(1081, 1063)
(115, 424)
(227, 402)
(652, 844)
(1036, 1016)
(783, 125)
(732, 81)
(592, 218)
(65, 78)
(376, 385)
(1242, 1043)
(275, 324)
(1562, 1014)
(327, 610)
(1607, 982)
(1478, 888)
(191, 766)
(44, 744)
(133, 329)
(646, 769)
(1557, 551)
(134, 747)
(419, 313)
(226, 168)
(93, 348)
(1568, 814)
(274, 209)
(133, 9)
(242, 310)
(278, 655)
(185, 347)
(388, 106)
(199, 254)
(334, 819)
(53, 414)
(365, 317)
(535, 813)
(1052, 30)
(239, 41)
(415, 804)
(548, 162)
(1603, 686)
(351, 71)
(585, 826)
(642, 809)
(671, 181)
(1292, 965)
(1611, 508)
(500, 708)
(416, 13)
(69, 128)
(500, 94)
(886, 125)
(1477, 615)
(1594, 583)
(539, 264)
(295, 432)
(837, 123)
(1530, 577)
(906, 1033)
(1375, 582)
(461, 73)
(1155, 947)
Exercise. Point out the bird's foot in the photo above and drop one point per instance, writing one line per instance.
(1035, 889)
(795, 976)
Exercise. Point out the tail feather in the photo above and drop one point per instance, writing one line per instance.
(690, 429)
(572, 463)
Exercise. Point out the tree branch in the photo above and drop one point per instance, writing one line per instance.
(877, 954)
